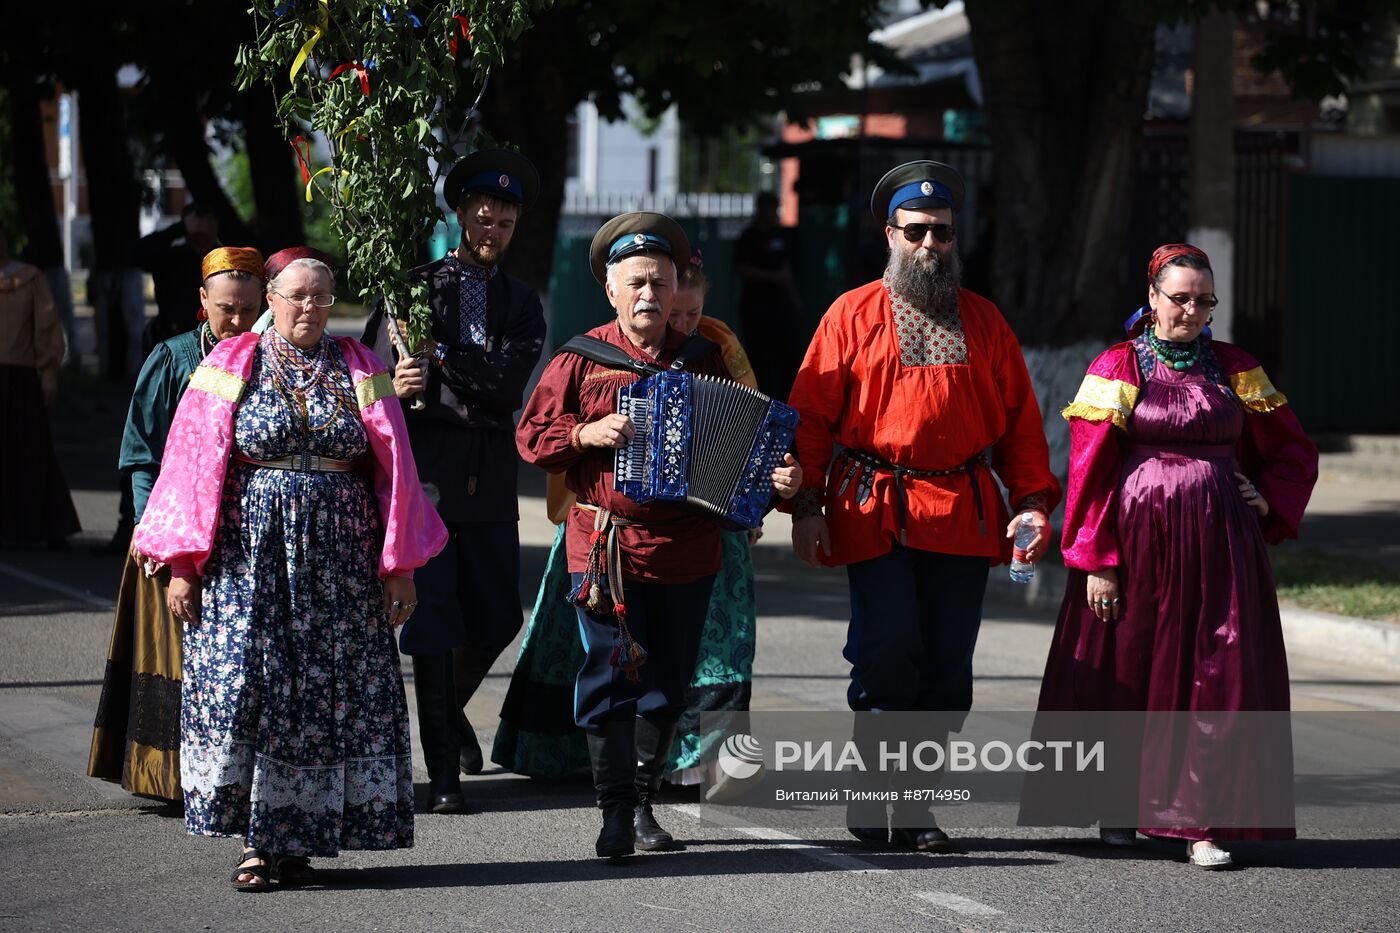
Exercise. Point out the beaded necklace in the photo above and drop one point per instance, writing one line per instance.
(207, 339)
(1178, 356)
(294, 375)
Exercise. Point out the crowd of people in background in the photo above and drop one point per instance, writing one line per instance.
(307, 508)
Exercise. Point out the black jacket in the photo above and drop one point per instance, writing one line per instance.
(464, 441)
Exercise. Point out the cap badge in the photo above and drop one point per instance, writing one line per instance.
(640, 239)
(926, 188)
(504, 181)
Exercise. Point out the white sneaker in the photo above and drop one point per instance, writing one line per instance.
(1209, 857)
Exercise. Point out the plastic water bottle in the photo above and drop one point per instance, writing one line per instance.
(1022, 570)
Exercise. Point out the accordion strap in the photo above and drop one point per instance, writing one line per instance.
(614, 357)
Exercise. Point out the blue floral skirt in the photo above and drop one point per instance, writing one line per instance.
(294, 725)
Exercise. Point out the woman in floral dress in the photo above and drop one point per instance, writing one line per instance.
(289, 510)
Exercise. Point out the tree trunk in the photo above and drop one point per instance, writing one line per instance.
(273, 172)
(183, 130)
(114, 195)
(1065, 87)
(528, 104)
(33, 191)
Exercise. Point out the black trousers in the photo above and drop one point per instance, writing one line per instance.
(468, 613)
(666, 619)
(914, 622)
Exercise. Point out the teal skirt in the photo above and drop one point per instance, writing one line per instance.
(537, 735)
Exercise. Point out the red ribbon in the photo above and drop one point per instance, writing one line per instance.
(466, 28)
(359, 70)
(302, 157)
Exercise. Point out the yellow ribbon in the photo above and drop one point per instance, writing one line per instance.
(319, 172)
(316, 34)
(348, 127)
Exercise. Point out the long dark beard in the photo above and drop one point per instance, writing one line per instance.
(931, 286)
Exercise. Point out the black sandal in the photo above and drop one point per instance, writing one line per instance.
(262, 873)
(295, 870)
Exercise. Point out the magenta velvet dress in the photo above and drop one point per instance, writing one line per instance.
(1156, 496)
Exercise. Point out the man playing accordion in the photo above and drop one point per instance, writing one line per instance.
(641, 573)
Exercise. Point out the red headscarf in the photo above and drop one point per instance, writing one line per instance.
(1164, 254)
(282, 258)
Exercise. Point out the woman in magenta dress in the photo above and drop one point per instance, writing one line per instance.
(1185, 462)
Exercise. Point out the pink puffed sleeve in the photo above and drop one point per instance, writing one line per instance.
(1098, 419)
(413, 531)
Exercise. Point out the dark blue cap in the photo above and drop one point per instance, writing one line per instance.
(503, 184)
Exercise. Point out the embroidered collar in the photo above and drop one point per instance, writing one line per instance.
(469, 271)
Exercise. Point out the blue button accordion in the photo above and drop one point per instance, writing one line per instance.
(707, 442)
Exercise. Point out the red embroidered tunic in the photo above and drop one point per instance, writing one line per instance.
(927, 392)
(667, 543)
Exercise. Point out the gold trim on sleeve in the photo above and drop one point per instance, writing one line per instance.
(1101, 399)
(373, 388)
(226, 386)
(1256, 391)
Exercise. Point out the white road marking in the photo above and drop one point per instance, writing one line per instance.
(958, 903)
(80, 595)
(818, 851)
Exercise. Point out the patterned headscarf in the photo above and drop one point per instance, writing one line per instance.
(231, 258)
(1162, 256)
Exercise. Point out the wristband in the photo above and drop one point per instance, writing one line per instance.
(573, 437)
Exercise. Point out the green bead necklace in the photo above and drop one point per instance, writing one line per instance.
(1174, 355)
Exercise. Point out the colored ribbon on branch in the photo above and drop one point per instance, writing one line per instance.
(359, 70)
(311, 182)
(465, 26)
(302, 148)
(316, 34)
(389, 18)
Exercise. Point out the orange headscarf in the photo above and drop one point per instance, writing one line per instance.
(229, 258)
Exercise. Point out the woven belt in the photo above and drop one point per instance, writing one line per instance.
(604, 569)
(302, 463)
(875, 461)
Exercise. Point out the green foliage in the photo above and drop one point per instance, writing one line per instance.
(318, 217)
(378, 181)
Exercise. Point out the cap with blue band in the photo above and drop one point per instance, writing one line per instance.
(637, 243)
(501, 182)
(927, 188)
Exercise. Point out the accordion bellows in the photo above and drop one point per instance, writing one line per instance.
(707, 442)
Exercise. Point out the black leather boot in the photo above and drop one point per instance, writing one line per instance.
(438, 730)
(653, 751)
(613, 753)
(470, 665)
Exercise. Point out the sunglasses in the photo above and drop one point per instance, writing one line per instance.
(915, 233)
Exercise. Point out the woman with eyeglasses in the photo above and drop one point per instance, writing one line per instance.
(1185, 462)
(289, 511)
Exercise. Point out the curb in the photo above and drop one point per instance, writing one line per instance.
(1342, 639)
(1323, 636)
